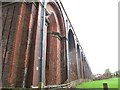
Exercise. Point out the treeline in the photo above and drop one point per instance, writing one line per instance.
(107, 75)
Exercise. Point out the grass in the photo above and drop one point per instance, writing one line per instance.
(112, 83)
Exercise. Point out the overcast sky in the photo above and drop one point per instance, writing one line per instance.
(96, 25)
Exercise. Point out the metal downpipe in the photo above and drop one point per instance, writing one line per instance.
(42, 58)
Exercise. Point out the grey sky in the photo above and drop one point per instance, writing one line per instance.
(96, 25)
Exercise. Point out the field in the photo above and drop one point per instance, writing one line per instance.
(112, 83)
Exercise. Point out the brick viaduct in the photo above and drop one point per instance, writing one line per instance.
(39, 45)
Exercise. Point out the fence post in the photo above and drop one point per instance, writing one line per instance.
(105, 86)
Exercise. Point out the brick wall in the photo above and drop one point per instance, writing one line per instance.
(9, 20)
(17, 55)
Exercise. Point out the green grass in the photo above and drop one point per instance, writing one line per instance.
(112, 83)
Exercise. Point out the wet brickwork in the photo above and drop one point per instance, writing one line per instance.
(9, 20)
(63, 59)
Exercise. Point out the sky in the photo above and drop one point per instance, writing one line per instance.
(96, 25)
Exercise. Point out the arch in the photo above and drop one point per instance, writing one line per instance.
(85, 65)
(79, 60)
(72, 56)
(56, 62)
(82, 65)
(58, 14)
(87, 72)
(86, 68)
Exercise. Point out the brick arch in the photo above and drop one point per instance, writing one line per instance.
(72, 56)
(84, 68)
(79, 60)
(56, 64)
(59, 16)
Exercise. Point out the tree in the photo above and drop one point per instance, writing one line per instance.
(107, 73)
(117, 73)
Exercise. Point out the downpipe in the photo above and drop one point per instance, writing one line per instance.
(42, 50)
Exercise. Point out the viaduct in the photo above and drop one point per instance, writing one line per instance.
(39, 45)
